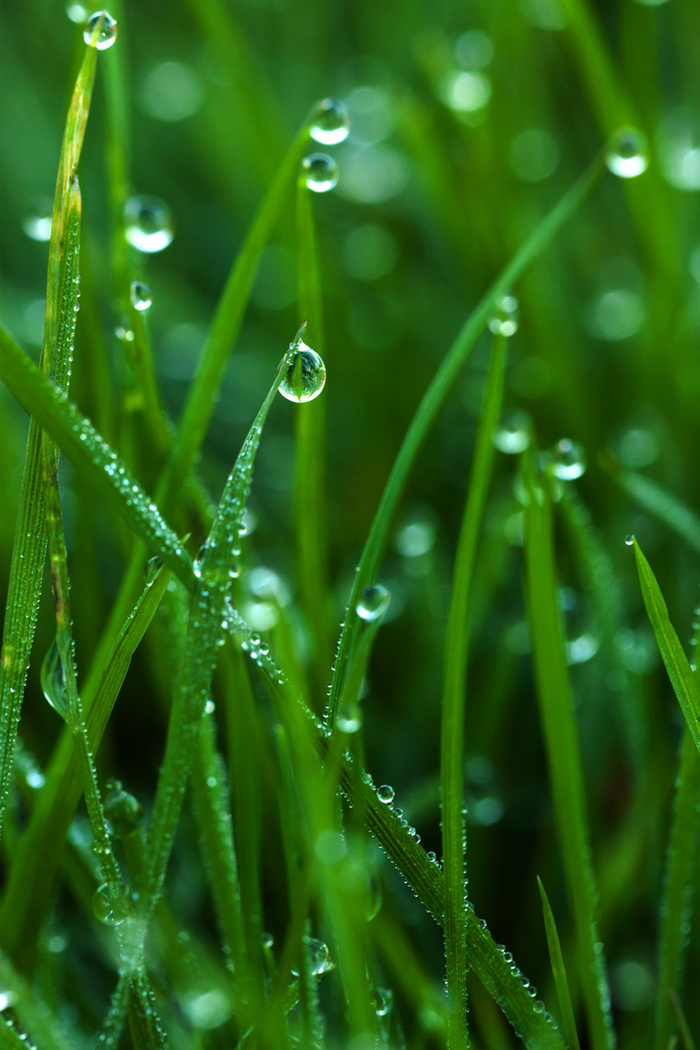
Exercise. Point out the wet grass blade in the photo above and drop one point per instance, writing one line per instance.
(42, 1027)
(684, 682)
(662, 504)
(559, 971)
(453, 701)
(429, 408)
(561, 739)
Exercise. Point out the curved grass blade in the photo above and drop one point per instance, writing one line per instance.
(429, 408)
(566, 775)
(453, 701)
(662, 504)
(559, 971)
(685, 684)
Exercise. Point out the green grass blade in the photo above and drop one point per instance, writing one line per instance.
(559, 971)
(430, 406)
(685, 684)
(662, 504)
(566, 775)
(42, 1027)
(684, 1032)
(453, 701)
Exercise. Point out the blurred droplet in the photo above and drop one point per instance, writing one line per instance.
(349, 718)
(417, 536)
(370, 252)
(171, 91)
(544, 14)
(320, 172)
(616, 314)
(465, 92)
(504, 319)
(568, 460)
(473, 49)
(330, 122)
(534, 155)
(207, 1009)
(330, 847)
(636, 447)
(148, 224)
(627, 155)
(373, 114)
(372, 173)
(514, 431)
(37, 226)
(77, 12)
(372, 603)
(140, 295)
(678, 142)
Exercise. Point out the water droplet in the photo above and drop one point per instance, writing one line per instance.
(153, 566)
(267, 940)
(305, 376)
(320, 172)
(140, 295)
(504, 319)
(330, 847)
(568, 460)
(37, 226)
(385, 793)
(514, 432)
(372, 603)
(148, 224)
(464, 91)
(320, 956)
(349, 718)
(112, 903)
(629, 540)
(384, 1001)
(417, 536)
(330, 122)
(53, 681)
(123, 331)
(100, 30)
(123, 812)
(627, 155)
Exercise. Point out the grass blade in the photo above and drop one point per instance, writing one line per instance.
(559, 971)
(662, 504)
(566, 776)
(453, 701)
(42, 1027)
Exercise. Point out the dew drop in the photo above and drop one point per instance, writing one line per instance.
(305, 376)
(53, 681)
(385, 793)
(123, 812)
(626, 154)
(383, 1001)
(372, 603)
(513, 433)
(148, 224)
(629, 540)
(320, 172)
(37, 226)
(330, 122)
(153, 567)
(100, 30)
(112, 903)
(267, 940)
(320, 956)
(140, 295)
(349, 718)
(568, 460)
(504, 319)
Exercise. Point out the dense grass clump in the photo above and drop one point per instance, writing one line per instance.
(366, 716)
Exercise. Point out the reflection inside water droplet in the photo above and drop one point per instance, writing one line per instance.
(305, 376)
(148, 224)
(330, 122)
(104, 36)
(372, 603)
(627, 155)
(53, 681)
(320, 172)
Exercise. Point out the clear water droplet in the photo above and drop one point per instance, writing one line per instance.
(626, 155)
(53, 681)
(320, 172)
(37, 226)
(349, 718)
(123, 812)
(320, 956)
(568, 460)
(112, 903)
(383, 1001)
(306, 376)
(629, 540)
(148, 224)
(514, 432)
(100, 30)
(153, 566)
(372, 603)
(140, 295)
(504, 319)
(330, 122)
(386, 793)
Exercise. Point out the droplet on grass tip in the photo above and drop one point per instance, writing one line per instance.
(148, 224)
(100, 30)
(123, 812)
(626, 155)
(330, 122)
(112, 903)
(140, 295)
(513, 433)
(53, 681)
(504, 319)
(305, 377)
(372, 603)
(568, 460)
(320, 172)
(386, 793)
(629, 540)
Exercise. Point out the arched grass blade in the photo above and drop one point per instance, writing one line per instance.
(559, 971)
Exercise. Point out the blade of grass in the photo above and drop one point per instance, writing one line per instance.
(559, 971)
(429, 408)
(683, 1026)
(662, 504)
(453, 702)
(41, 1025)
(685, 684)
(563, 756)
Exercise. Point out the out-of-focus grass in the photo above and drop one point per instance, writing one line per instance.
(468, 127)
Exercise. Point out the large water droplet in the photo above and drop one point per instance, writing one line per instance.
(385, 793)
(626, 154)
(140, 295)
(568, 460)
(100, 30)
(629, 540)
(112, 903)
(123, 812)
(330, 122)
(513, 433)
(372, 603)
(320, 172)
(320, 956)
(504, 319)
(305, 376)
(349, 718)
(53, 681)
(383, 1001)
(148, 224)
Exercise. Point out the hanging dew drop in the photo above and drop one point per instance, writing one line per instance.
(123, 812)
(372, 603)
(626, 155)
(320, 172)
(568, 460)
(629, 540)
(112, 903)
(140, 295)
(330, 122)
(513, 433)
(385, 794)
(349, 718)
(153, 567)
(306, 376)
(100, 30)
(320, 956)
(383, 1001)
(53, 681)
(148, 224)
(504, 319)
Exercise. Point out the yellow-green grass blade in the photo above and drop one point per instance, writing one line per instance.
(563, 755)
(559, 971)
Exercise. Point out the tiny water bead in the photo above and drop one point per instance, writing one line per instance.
(349, 718)
(626, 155)
(53, 681)
(148, 224)
(112, 903)
(513, 434)
(383, 1001)
(372, 603)
(504, 319)
(306, 376)
(629, 540)
(320, 172)
(386, 793)
(568, 460)
(123, 812)
(100, 30)
(330, 122)
(140, 295)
